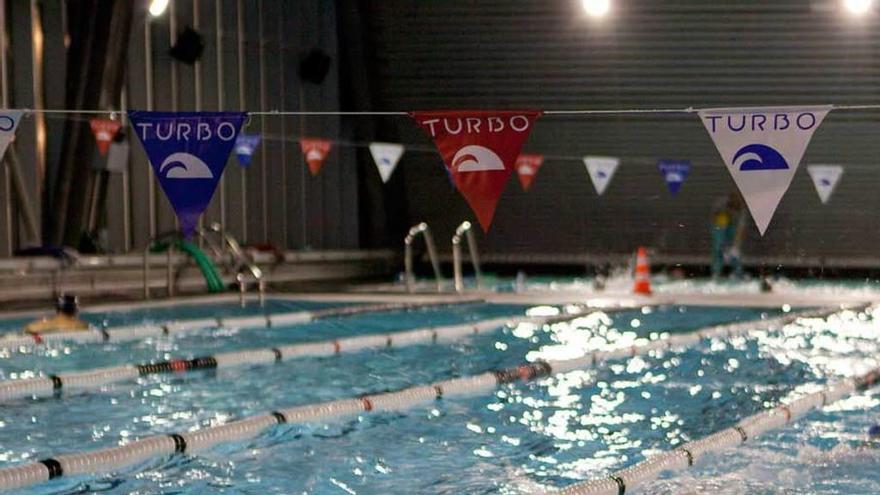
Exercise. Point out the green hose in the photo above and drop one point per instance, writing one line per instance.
(215, 283)
(206, 265)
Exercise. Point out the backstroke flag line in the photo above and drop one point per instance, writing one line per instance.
(527, 166)
(479, 148)
(315, 151)
(825, 178)
(188, 152)
(9, 120)
(762, 148)
(386, 156)
(245, 147)
(601, 170)
(674, 173)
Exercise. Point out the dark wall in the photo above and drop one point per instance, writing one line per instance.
(648, 53)
(251, 58)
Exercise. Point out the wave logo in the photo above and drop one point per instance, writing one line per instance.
(759, 157)
(184, 166)
(825, 182)
(474, 158)
(526, 170)
(674, 177)
(314, 155)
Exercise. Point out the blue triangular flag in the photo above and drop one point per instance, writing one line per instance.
(188, 152)
(245, 146)
(674, 173)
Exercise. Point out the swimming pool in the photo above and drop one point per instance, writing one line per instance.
(522, 438)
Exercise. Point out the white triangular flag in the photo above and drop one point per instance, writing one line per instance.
(386, 156)
(601, 170)
(825, 178)
(8, 123)
(762, 148)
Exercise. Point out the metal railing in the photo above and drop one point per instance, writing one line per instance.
(414, 232)
(228, 250)
(231, 251)
(464, 230)
(169, 266)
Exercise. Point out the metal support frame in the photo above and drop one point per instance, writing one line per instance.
(464, 230)
(414, 232)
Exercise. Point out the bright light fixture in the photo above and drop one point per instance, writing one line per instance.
(157, 7)
(858, 7)
(597, 8)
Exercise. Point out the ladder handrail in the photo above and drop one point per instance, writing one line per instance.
(425, 231)
(464, 230)
(237, 259)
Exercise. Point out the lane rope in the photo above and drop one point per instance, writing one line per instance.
(111, 459)
(140, 332)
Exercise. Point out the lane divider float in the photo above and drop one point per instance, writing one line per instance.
(688, 454)
(112, 459)
(140, 332)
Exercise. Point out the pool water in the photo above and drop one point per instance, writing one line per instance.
(520, 439)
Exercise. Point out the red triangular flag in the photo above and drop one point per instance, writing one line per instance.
(104, 130)
(527, 166)
(479, 147)
(316, 151)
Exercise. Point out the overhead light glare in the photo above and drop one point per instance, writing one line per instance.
(596, 8)
(157, 7)
(858, 7)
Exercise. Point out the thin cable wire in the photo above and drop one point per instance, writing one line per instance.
(330, 113)
(628, 160)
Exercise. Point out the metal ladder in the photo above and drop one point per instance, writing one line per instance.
(415, 231)
(227, 249)
(237, 260)
(464, 230)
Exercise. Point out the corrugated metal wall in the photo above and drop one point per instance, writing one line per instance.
(275, 200)
(648, 53)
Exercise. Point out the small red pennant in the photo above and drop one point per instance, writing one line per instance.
(479, 148)
(105, 131)
(315, 151)
(527, 166)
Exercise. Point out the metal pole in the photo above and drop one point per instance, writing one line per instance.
(263, 104)
(148, 75)
(126, 186)
(221, 97)
(197, 82)
(242, 103)
(169, 269)
(4, 98)
(284, 213)
(147, 271)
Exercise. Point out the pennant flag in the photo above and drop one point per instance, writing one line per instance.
(762, 148)
(527, 166)
(386, 156)
(245, 146)
(8, 123)
(825, 178)
(479, 148)
(188, 152)
(674, 173)
(104, 130)
(316, 151)
(601, 170)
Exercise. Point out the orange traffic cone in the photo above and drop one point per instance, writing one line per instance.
(643, 273)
